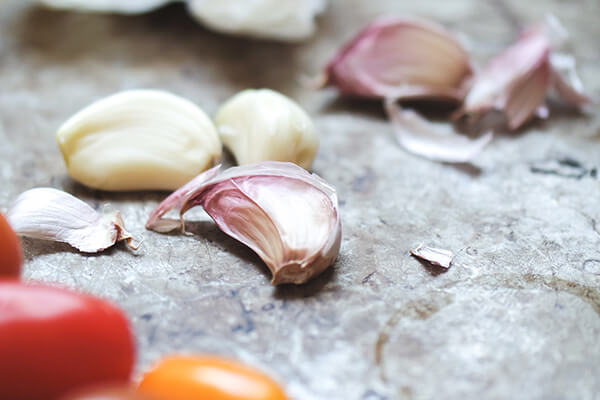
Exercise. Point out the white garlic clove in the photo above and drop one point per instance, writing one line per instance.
(401, 58)
(117, 6)
(288, 216)
(420, 137)
(262, 125)
(138, 140)
(51, 214)
(289, 20)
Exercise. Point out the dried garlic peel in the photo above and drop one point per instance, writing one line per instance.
(137, 140)
(264, 125)
(51, 214)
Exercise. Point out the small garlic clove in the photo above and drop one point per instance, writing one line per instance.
(288, 20)
(262, 125)
(51, 214)
(420, 137)
(138, 140)
(516, 78)
(118, 6)
(284, 214)
(401, 58)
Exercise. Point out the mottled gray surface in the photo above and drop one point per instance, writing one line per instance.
(517, 315)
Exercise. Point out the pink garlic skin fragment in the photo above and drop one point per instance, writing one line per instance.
(516, 81)
(401, 58)
(420, 137)
(284, 214)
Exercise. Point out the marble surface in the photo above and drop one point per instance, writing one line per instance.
(516, 316)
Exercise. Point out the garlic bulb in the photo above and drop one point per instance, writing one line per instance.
(118, 6)
(51, 214)
(262, 125)
(138, 139)
(401, 58)
(286, 215)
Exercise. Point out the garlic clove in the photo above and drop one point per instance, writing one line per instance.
(119, 6)
(286, 215)
(288, 20)
(420, 137)
(262, 125)
(401, 58)
(137, 140)
(51, 214)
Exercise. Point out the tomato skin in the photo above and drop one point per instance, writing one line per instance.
(11, 256)
(53, 340)
(214, 378)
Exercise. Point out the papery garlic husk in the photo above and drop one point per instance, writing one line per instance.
(286, 215)
(289, 20)
(264, 125)
(438, 257)
(517, 80)
(401, 58)
(108, 6)
(51, 214)
(425, 139)
(138, 140)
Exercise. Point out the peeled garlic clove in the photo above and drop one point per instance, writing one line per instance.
(262, 125)
(138, 139)
(401, 58)
(119, 6)
(51, 214)
(286, 215)
(420, 137)
(275, 19)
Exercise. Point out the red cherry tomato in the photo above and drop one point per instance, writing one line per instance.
(210, 378)
(53, 340)
(10, 251)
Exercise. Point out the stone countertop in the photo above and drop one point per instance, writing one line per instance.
(516, 316)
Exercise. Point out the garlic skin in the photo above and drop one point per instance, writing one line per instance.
(264, 125)
(288, 20)
(138, 140)
(286, 215)
(51, 214)
(517, 81)
(401, 58)
(418, 136)
(106, 6)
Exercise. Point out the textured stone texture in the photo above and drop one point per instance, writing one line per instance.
(516, 316)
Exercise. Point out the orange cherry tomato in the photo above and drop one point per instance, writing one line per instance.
(210, 378)
(11, 257)
(110, 392)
